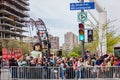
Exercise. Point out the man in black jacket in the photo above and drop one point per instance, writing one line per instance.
(13, 65)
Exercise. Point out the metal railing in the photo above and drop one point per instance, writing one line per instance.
(36, 73)
(93, 72)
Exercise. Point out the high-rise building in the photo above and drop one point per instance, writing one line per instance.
(13, 14)
(54, 40)
(70, 40)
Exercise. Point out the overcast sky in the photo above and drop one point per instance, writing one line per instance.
(59, 19)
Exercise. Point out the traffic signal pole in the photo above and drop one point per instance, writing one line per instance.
(83, 48)
(82, 36)
(83, 41)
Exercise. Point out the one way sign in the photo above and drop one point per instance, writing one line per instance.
(82, 16)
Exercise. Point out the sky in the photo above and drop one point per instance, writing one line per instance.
(59, 19)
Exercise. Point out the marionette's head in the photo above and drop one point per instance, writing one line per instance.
(37, 47)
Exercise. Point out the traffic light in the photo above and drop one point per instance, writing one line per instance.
(59, 53)
(90, 35)
(81, 32)
(117, 51)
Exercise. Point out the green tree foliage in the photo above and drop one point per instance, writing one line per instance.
(112, 39)
(64, 53)
(76, 51)
(72, 54)
(26, 48)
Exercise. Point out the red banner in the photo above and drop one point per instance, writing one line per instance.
(8, 53)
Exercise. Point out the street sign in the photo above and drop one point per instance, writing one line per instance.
(82, 16)
(82, 5)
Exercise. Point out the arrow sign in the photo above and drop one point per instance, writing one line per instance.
(82, 5)
(82, 16)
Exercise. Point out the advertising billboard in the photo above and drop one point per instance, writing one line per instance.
(8, 53)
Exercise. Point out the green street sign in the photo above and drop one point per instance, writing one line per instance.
(82, 16)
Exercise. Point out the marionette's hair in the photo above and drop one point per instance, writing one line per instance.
(36, 44)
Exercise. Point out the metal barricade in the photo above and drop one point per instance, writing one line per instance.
(34, 73)
(94, 72)
(54, 73)
(5, 74)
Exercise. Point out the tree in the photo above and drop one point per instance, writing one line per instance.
(111, 41)
(76, 51)
(72, 54)
(10, 43)
(112, 38)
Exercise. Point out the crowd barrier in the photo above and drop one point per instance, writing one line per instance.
(38, 73)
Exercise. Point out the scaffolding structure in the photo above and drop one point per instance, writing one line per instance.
(13, 14)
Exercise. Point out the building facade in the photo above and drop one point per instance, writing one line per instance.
(54, 40)
(13, 14)
(33, 39)
(70, 40)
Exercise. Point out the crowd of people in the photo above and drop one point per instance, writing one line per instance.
(91, 66)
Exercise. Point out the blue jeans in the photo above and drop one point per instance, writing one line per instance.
(63, 74)
(81, 72)
(76, 74)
